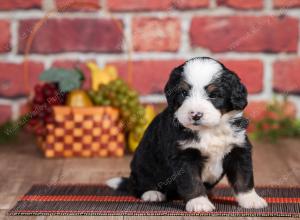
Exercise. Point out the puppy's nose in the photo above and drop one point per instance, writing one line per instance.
(196, 116)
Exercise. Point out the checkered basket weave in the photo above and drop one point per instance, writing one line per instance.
(84, 132)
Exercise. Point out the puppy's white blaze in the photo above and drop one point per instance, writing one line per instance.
(251, 200)
(199, 204)
(153, 196)
(199, 72)
(114, 183)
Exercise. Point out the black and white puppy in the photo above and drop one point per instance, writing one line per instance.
(196, 140)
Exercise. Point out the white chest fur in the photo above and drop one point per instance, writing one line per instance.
(215, 143)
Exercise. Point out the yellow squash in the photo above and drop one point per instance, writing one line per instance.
(101, 76)
(134, 141)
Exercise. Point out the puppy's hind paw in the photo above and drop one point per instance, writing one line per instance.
(153, 196)
(250, 200)
(199, 204)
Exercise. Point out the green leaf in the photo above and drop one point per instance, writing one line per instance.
(70, 83)
(82, 77)
(67, 79)
(52, 75)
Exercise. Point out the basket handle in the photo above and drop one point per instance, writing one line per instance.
(40, 23)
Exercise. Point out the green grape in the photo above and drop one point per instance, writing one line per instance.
(118, 82)
(112, 96)
(118, 94)
(132, 94)
(124, 102)
(133, 119)
(130, 105)
(127, 114)
(98, 100)
(91, 93)
(123, 89)
(140, 112)
(113, 88)
(115, 103)
(120, 97)
(105, 91)
(106, 102)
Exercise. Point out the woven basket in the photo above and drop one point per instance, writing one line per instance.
(84, 132)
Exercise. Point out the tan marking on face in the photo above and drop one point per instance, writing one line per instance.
(211, 87)
(183, 86)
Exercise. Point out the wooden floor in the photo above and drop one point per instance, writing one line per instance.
(22, 165)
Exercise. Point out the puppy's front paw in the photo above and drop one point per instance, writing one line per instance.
(153, 196)
(199, 204)
(250, 200)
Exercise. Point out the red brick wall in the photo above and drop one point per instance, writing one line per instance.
(259, 39)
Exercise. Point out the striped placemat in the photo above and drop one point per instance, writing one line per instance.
(87, 199)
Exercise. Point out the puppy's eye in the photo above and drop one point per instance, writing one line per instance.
(214, 95)
(184, 93)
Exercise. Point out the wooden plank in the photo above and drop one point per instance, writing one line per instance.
(288, 150)
(24, 166)
(270, 165)
(94, 170)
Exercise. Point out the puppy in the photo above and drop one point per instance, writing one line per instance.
(195, 141)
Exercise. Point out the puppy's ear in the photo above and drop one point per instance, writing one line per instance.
(238, 94)
(172, 84)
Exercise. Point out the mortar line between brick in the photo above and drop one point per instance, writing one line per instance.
(103, 5)
(148, 56)
(14, 36)
(15, 110)
(212, 4)
(184, 38)
(25, 14)
(268, 77)
(48, 5)
(268, 5)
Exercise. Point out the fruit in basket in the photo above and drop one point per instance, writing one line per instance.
(119, 95)
(46, 95)
(101, 76)
(78, 98)
(135, 137)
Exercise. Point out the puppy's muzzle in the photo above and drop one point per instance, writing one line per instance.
(196, 116)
